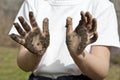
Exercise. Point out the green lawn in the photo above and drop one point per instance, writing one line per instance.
(114, 73)
(8, 67)
(10, 71)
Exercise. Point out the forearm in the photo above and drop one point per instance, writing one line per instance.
(33, 39)
(26, 60)
(95, 67)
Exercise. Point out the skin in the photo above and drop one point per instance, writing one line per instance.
(96, 63)
(34, 43)
(33, 39)
(84, 34)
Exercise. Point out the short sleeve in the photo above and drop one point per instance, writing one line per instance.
(107, 25)
(24, 12)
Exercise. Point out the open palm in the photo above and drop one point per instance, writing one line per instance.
(84, 34)
(35, 40)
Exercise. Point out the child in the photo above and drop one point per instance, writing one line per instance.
(63, 46)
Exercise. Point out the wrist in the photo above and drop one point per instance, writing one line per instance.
(81, 55)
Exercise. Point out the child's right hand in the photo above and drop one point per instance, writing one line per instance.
(35, 40)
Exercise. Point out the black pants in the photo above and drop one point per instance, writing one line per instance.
(71, 77)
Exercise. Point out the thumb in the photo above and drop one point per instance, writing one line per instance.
(69, 25)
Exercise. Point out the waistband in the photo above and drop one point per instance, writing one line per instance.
(69, 77)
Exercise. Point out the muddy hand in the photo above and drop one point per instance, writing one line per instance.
(35, 40)
(84, 34)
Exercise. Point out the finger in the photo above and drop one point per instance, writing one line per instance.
(17, 39)
(45, 26)
(89, 20)
(24, 24)
(32, 20)
(83, 18)
(94, 25)
(69, 25)
(19, 29)
(94, 38)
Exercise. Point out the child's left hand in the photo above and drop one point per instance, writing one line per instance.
(84, 34)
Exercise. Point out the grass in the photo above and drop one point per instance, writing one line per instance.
(114, 73)
(10, 71)
(8, 67)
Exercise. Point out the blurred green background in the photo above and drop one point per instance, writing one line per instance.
(9, 49)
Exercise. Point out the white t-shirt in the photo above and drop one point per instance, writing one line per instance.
(57, 60)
